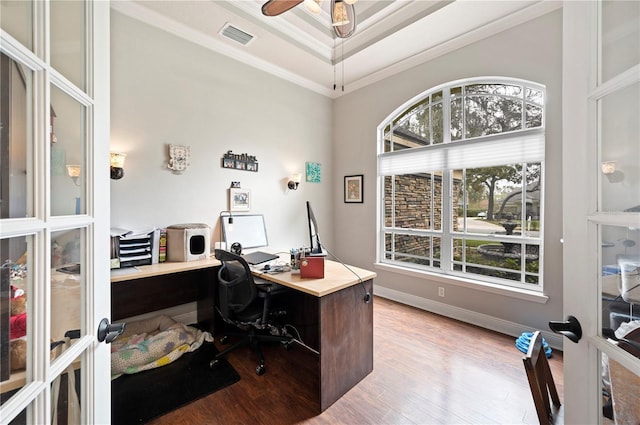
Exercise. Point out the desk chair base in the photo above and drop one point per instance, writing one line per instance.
(253, 340)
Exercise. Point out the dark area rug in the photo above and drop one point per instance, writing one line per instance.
(143, 396)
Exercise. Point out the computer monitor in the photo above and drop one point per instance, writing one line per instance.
(314, 237)
(248, 230)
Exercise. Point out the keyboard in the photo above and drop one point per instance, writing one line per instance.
(258, 257)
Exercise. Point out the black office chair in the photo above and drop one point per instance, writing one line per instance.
(245, 302)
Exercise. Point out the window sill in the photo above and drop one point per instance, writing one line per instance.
(518, 293)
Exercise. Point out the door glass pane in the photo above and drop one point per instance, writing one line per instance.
(16, 18)
(66, 389)
(67, 281)
(15, 139)
(68, 168)
(620, 253)
(15, 283)
(68, 41)
(620, 150)
(620, 35)
(620, 385)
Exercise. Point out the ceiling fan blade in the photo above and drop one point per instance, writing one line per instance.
(276, 7)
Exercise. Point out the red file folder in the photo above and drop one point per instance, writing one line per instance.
(312, 267)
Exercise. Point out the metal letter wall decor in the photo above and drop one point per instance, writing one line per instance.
(244, 162)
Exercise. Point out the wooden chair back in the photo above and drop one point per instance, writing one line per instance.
(541, 382)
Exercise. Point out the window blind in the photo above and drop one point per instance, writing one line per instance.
(482, 152)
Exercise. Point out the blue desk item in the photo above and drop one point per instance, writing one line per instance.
(523, 341)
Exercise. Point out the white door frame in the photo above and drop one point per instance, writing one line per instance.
(35, 396)
(581, 216)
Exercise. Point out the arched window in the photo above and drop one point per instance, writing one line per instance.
(461, 171)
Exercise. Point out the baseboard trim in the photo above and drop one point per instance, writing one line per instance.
(479, 319)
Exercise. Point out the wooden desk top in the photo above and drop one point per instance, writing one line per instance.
(337, 277)
(139, 272)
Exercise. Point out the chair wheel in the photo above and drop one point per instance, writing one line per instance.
(260, 370)
(213, 363)
(224, 339)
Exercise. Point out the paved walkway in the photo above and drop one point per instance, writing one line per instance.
(478, 225)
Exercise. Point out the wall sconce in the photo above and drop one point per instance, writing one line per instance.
(116, 160)
(294, 182)
(74, 172)
(608, 167)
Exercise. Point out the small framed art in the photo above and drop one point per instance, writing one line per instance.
(313, 172)
(239, 199)
(353, 189)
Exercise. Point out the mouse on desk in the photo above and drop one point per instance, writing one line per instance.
(266, 267)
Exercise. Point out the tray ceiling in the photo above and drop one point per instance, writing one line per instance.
(390, 36)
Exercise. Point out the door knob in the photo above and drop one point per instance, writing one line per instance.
(108, 332)
(570, 328)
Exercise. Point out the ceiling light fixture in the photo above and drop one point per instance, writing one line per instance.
(343, 18)
(342, 12)
(313, 6)
(339, 14)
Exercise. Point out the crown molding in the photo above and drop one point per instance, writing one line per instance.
(141, 13)
(180, 30)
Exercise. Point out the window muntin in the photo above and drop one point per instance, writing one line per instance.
(419, 125)
(492, 232)
(512, 220)
(476, 110)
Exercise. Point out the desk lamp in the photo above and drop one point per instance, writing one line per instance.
(230, 223)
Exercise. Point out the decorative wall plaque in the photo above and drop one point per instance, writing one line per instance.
(243, 161)
(179, 158)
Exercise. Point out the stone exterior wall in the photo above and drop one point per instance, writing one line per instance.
(413, 211)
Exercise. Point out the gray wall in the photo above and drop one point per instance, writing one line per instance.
(531, 51)
(165, 90)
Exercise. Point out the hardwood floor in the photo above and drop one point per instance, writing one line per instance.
(428, 369)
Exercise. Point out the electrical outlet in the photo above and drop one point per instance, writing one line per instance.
(440, 291)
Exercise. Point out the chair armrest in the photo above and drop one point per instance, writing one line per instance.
(266, 287)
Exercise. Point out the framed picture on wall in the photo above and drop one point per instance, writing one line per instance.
(239, 199)
(353, 189)
(313, 172)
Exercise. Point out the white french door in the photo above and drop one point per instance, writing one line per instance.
(601, 204)
(54, 128)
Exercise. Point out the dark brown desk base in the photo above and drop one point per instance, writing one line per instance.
(346, 341)
(146, 294)
(339, 325)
